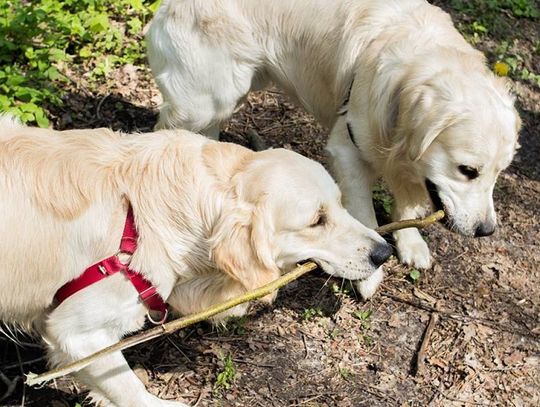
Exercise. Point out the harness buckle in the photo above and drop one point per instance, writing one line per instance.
(164, 315)
(123, 257)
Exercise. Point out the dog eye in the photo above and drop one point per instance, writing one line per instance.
(320, 221)
(468, 171)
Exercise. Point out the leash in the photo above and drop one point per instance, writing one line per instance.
(148, 294)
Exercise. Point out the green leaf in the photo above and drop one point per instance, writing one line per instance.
(30, 107)
(363, 315)
(41, 120)
(4, 102)
(85, 52)
(52, 73)
(135, 25)
(414, 275)
(136, 4)
(99, 23)
(15, 80)
(154, 6)
(27, 117)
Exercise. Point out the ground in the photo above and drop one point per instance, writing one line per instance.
(318, 344)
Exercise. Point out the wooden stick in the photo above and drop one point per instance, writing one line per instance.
(421, 355)
(410, 223)
(34, 379)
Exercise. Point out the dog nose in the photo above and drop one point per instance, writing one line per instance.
(380, 254)
(484, 229)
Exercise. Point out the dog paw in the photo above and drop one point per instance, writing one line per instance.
(368, 287)
(98, 399)
(415, 254)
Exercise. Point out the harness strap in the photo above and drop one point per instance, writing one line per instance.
(148, 294)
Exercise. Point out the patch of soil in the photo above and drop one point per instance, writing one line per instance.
(319, 345)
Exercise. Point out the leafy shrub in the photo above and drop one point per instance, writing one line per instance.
(39, 38)
(519, 8)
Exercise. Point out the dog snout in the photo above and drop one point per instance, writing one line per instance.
(380, 254)
(485, 229)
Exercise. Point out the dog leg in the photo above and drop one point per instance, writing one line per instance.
(354, 176)
(411, 247)
(356, 179)
(110, 378)
(91, 320)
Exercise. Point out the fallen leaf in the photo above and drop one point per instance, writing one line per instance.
(394, 321)
(513, 358)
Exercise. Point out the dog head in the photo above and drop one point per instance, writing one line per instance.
(461, 132)
(288, 210)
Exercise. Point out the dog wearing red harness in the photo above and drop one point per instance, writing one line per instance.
(102, 229)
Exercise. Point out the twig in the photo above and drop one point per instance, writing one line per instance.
(34, 379)
(411, 223)
(10, 384)
(461, 317)
(421, 355)
(247, 362)
(311, 398)
(305, 345)
(98, 109)
(26, 362)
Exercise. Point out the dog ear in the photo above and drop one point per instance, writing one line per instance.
(240, 246)
(423, 117)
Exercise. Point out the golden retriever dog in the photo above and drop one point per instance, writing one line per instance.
(405, 96)
(213, 220)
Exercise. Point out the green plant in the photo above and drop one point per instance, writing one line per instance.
(478, 28)
(414, 275)
(519, 8)
(516, 63)
(335, 333)
(493, 16)
(368, 339)
(364, 317)
(39, 40)
(310, 313)
(365, 324)
(344, 373)
(226, 377)
(234, 326)
(383, 198)
(344, 288)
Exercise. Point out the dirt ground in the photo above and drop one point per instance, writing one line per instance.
(320, 345)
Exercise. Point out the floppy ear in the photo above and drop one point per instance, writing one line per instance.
(423, 117)
(240, 246)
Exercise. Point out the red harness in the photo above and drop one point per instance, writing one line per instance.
(111, 265)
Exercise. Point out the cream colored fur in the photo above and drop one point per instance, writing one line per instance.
(214, 220)
(422, 102)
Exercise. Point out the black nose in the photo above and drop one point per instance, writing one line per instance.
(484, 229)
(380, 254)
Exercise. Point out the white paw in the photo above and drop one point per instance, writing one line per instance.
(98, 399)
(369, 286)
(414, 253)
